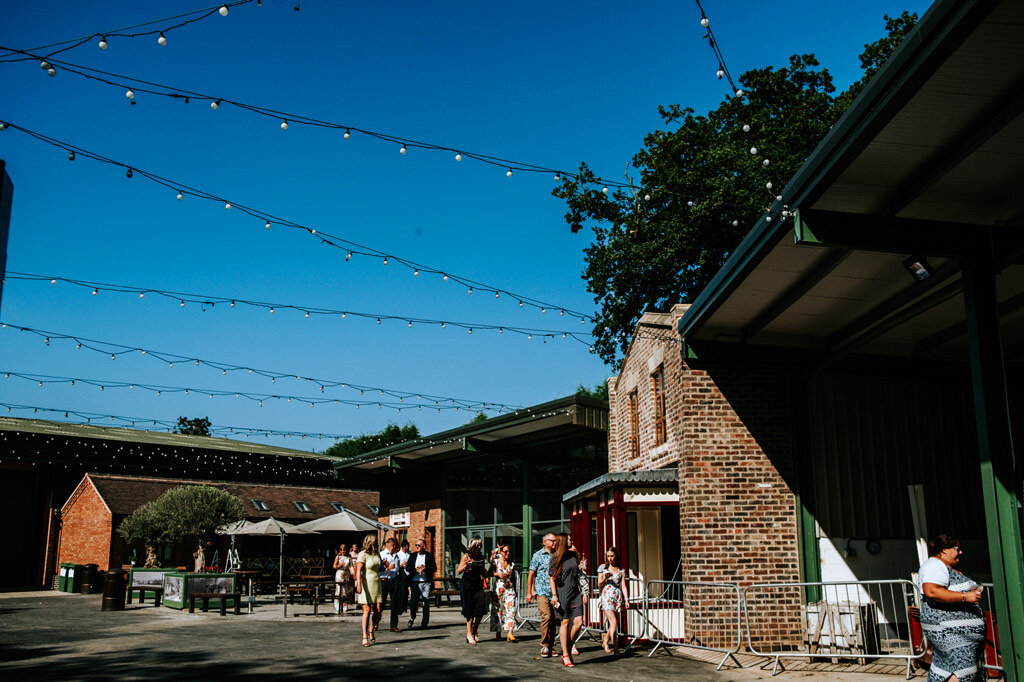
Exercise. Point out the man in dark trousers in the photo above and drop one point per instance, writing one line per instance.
(389, 577)
(422, 568)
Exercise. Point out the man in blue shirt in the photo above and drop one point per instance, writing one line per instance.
(538, 586)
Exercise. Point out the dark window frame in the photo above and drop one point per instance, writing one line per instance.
(260, 505)
(660, 427)
(634, 424)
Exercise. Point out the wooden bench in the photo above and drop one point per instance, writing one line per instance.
(309, 591)
(207, 596)
(445, 592)
(142, 590)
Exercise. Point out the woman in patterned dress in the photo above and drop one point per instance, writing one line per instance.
(344, 585)
(503, 594)
(611, 581)
(369, 587)
(950, 616)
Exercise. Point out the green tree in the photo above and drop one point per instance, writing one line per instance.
(199, 426)
(147, 525)
(700, 183)
(198, 511)
(598, 392)
(389, 435)
(480, 416)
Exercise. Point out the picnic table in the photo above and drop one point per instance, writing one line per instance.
(308, 586)
(445, 586)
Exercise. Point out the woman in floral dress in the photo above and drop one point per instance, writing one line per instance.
(611, 581)
(344, 584)
(503, 596)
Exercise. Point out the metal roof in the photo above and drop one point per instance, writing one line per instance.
(651, 476)
(926, 162)
(564, 417)
(51, 428)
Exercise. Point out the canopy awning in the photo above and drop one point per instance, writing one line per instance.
(926, 164)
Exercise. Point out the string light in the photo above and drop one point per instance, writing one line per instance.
(162, 40)
(103, 384)
(173, 92)
(103, 43)
(325, 238)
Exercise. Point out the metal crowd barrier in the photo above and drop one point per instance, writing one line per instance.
(631, 623)
(703, 616)
(526, 612)
(865, 619)
(991, 659)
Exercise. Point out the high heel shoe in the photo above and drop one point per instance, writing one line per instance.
(567, 662)
(470, 640)
(511, 637)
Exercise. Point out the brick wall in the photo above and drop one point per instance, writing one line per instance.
(728, 428)
(655, 343)
(86, 529)
(421, 516)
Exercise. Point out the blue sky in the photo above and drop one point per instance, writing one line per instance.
(546, 84)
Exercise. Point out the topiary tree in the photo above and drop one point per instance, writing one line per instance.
(150, 527)
(199, 510)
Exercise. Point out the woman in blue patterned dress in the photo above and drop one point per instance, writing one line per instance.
(950, 616)
(611, 581)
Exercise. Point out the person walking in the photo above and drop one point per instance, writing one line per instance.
(368, 587)
(389, 578)
(538, 588)
(472, 588)
(565, 575)
(400, 598)
(614, 598)
(503, 593)
(344, 585)
(422, 568)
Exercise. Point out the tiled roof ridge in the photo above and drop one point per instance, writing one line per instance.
(185, 481)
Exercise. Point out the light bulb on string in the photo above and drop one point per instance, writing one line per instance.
(130, 94)
(403, 150)
(227, 205)
(284, 125)
(508, 173)
(558, 177)
(746, 127)
(415, 273)
(385, 260)
(458, 157)
(129, 173)
(162, 40)
(739, 93)
(180, 196)
(103, 43)
(604, 190)
(720, 73)
(348, 135)
(704, 22)
(223, 10)
(267, 225)
(71, 156)
(215, 104)
(445, 278)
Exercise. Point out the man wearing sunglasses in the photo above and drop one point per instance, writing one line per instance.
(422, 568)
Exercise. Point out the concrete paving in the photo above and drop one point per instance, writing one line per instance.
(57, 636)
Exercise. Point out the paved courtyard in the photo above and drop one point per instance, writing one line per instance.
(56, 636)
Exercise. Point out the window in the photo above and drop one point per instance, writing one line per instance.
(302, 507)
(338, 506)
(660, 435)
(634, 426)
(260, 505)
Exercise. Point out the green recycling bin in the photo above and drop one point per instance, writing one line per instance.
(71, 576)
(63, 573)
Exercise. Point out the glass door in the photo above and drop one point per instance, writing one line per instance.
(485, 533)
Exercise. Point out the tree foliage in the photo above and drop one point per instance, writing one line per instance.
(147, 525)
(198, 511)
(598, 391)
(389, 435)
(199, 426)
(480, 416)
(707, 185)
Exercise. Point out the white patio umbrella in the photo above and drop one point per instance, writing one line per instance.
(345, 520)
(272, 526)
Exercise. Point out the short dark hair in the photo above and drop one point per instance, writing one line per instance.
(405, 542)
(942, 542)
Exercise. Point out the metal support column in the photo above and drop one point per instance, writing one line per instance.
(995, 447)
(528, 548)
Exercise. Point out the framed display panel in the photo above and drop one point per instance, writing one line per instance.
(146, 577)
(178, 586)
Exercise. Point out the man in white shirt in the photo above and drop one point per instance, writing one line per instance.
(389, 577)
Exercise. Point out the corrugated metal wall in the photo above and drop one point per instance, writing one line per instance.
(871, 437)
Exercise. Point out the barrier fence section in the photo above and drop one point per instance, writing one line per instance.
(866, 619)
(631, 622)
(705, 616)
(991, 660)
(526, 611)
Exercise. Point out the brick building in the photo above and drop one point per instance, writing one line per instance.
(42, 463)
(93, 512)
